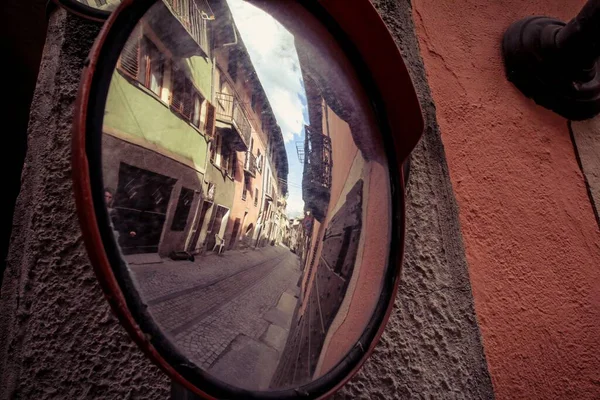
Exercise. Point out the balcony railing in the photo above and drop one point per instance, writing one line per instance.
(193, 19)
(317, 150)
(250, 163)
(316, 180)
(229, 110)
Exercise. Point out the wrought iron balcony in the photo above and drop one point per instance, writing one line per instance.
(250, 164)
(233, 119)
(193, 19)
(185, 33)
(316, 181)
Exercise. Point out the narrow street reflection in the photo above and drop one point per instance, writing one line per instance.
(247, 188)
(106, 5)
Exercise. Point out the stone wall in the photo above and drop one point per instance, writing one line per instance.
(58, 337)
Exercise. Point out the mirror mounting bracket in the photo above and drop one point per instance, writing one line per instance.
(556, 63)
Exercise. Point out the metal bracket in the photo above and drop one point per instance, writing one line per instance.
(557, 64)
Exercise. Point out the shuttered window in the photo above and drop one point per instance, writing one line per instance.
(182, 99)
(152, 66)
(129, 62)
(197, 110)
(214, 148)
(141, 60)
(200, 111)
(211, 115)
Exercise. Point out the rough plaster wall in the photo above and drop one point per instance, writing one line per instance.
(531, 239)
(432, 346)
(63, 342)
(59, 338)
(586, 140)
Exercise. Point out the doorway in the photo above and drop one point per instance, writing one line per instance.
(215, 226)
(234, 234)
(140, 208)
(198, 229)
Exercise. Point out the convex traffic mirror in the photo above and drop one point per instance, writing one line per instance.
(238, 177)
(96, 10)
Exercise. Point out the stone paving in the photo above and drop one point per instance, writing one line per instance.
(242, 315)
(212, 306)
(158, 279)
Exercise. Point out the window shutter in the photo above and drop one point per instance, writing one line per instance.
(188, 99)
(182, 99)
(210, 119)
(129, 62)
(177, 93)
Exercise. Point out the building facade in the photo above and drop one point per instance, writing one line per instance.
(188, 117)
(343, 191)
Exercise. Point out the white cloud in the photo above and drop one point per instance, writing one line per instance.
(295, 206)
(273, 53)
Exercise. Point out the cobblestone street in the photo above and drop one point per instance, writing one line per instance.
(226, 312)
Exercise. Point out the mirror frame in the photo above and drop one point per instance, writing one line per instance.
(401, 124)
(83, 10)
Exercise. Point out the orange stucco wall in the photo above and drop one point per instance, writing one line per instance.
(362, 301)
(245, 210)
(532, 243)
(370, 266)
(344, 151)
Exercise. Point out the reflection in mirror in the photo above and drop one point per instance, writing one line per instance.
(247, 188)
(105, 5)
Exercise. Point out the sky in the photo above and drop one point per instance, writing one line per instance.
(272, 51)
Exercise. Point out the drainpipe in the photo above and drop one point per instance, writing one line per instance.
(556, 63)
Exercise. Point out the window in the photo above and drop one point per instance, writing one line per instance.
(198, 111)
(210, 120)
(189, 103)
(183, 209)
(215, 148)
(152, 66)
(232, 164)
(141, 60)
(182, 96)
(129, 62)
(255, 197)
(247, 184)
(225, 158)
(259, 162)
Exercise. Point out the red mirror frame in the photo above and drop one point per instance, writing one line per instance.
(362, 26)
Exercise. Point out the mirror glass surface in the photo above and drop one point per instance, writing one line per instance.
(106, 5)
(248, 190)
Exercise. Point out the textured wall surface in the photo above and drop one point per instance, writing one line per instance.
(586, 140)
(532, 242)
(21, 42)
(431, 347)
(59, 338)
